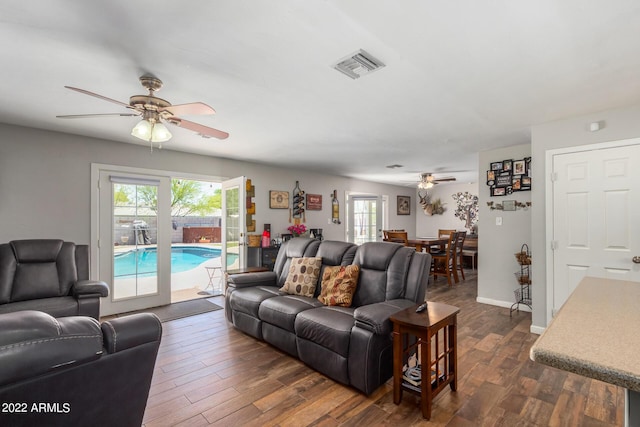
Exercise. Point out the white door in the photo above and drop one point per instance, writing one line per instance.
(234, 228)
(364, 223)
(134, 241)
(596, 200)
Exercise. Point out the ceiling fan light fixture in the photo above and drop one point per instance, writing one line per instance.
(142, 130)
(152, 132)
(160, 133)
(425, 185)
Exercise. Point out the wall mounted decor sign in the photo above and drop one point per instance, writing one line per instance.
(507, 176)
(251, 206)
(314, 202)
(278, 199)
(298, 205)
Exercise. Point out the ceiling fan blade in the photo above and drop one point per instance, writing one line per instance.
(83, 116)
(445, 179)
(198, 128)
(192, 109)
(86, 92)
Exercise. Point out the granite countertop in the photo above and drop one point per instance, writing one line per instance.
(596, 333)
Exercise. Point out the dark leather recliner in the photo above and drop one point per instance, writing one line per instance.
(352, 345)
(48, 275)
(72, 371)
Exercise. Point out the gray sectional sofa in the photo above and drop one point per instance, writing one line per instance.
(352, 345)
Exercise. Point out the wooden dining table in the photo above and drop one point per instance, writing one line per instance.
(427, 242)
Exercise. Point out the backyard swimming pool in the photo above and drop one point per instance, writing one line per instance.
(143, 261)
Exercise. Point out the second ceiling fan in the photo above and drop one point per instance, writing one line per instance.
(427, 180)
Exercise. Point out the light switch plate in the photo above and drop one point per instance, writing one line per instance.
(498, 220)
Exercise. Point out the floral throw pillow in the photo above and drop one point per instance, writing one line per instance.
(303, 276)
(339, 284)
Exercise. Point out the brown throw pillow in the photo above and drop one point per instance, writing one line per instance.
(303, 276)
(339, 284)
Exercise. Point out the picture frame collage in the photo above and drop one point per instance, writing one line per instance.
(508, 176)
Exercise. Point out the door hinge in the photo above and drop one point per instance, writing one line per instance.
(554, 245)
(554, 176)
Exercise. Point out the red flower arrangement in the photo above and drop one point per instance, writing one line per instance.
(297, 229)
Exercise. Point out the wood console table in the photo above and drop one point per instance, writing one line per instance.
(432, 337)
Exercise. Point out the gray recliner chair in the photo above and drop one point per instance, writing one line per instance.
(73, 371)
(48, 275)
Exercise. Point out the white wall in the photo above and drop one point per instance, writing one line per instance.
(620, 123)
(428, 226)
(498, 244)
(45, 184)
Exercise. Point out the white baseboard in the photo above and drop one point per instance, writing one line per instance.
(536, 329)
(505, 304)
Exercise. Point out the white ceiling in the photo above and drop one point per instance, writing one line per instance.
(461, 76)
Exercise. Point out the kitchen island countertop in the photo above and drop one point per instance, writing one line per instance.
(596, 333)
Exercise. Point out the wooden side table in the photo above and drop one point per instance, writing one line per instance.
(432, 336)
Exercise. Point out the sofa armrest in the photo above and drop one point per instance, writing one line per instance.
(375, 317)
(131, 331)
(262, 278)
(90, 287)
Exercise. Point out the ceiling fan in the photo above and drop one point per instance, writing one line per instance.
(427, 180)
(154, 112)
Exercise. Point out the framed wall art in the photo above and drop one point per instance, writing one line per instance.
(278, 199)
(404, 205)
(507, 176)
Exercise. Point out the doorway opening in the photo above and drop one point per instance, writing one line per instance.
(196, 210)
(365, 217)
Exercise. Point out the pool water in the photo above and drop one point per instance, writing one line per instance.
(143, 261)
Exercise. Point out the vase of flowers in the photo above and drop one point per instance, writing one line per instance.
(297, 229)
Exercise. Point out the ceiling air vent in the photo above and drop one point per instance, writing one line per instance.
(358, 64)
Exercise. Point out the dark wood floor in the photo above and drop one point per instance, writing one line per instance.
(209, 373)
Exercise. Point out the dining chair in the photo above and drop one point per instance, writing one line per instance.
(442, 234)
(385, 234)
(397, 237)
(461, 235)
(444, 261)
(471, 250)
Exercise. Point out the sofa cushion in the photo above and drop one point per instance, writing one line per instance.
(303, 276)
(383, 272)
(56, 307)
(293, 248)
(247, 300)
(282, 311)
(338, 285)
(329, 327)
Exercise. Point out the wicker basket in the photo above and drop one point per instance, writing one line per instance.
(523, 258)
(254, 240)
(523, 278)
